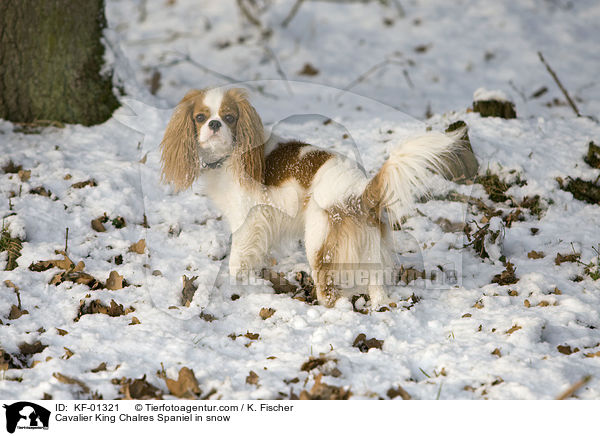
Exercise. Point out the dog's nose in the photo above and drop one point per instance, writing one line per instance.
(214, 125)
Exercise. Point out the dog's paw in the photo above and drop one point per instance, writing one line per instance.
(327, 296)
(378, 297)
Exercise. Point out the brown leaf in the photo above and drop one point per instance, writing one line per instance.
(24, 175)
(31, 349)
(40, 190)
(398, 392)
(98, 226)
(308, 70)
(252, 378)
(71, 381)
(16, 313)
(138, 389)
(566, 349)
(364, 345)
(322, 391)
(139, 247)
(79, 185)
(535, 254)
(497, 352)
(61, 332)
(596, 354)
(114, 282)
(313, 362)
(96, 306)
(513, 329)
(134, 321)
(99, 368)
(207, 316)
(68, 354)
(252, 336)
(188, 291)
(561, 258)
(506, 277)
(186, 385)
(266, 312)
(12, 168)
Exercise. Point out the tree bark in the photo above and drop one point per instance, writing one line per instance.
(51, 56)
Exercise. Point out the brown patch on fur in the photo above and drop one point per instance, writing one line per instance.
(374, 196)
(285, 163)
(179, 154)
(249, 140)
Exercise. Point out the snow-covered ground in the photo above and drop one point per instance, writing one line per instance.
(382, 74)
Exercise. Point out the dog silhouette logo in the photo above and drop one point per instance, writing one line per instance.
(26, 415)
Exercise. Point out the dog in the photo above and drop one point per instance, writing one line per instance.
(274, 190)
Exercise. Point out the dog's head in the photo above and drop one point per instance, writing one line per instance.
(207, 128)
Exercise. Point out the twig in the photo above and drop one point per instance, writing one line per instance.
(292, 13)
(229, 79)
(290, 16)
(66, 239)
(517, 90)
(279, 69)
(246, 12)
(562, 88)
(367, 73)
(574, 388)
(407, 77)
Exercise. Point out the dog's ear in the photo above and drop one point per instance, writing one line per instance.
(249, 150)
(179, 148)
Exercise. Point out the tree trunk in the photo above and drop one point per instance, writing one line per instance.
(50, 61)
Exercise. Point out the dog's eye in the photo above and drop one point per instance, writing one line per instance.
(229, 118)
(200, 118)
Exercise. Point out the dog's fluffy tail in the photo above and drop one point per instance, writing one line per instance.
(406, 175)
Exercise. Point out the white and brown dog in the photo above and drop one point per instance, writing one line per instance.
(274, 190)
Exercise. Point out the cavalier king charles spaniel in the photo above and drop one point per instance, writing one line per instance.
(274, 190)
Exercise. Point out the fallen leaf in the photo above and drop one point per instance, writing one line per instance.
(98, 226)
(134, 321)
(188, 291)
(566, 349)
(31, 349)
(313, 362)
(16, 313)
(79, 185)
(138, 389)
(114, 282)
(308, 70)
(561, 258)
(139, 247)
(61, 332)
(99, 368)
(71, 381)
(364, 345)
(96, 306)
(266, 312)
(252, 336)
(252, 378)
(24, 175)
(506, 277)
(535, 254)
(68, 354)
(186, 386)
(398, 392)
(322, 391)
(496, 352)
(513, 329)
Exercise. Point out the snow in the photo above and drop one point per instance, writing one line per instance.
(482, 94)
(435, 347)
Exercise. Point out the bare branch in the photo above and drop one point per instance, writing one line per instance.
(562, 88)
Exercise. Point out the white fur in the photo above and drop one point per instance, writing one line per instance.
(260, 217)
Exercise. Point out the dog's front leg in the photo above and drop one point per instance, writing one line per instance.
(251, 242)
